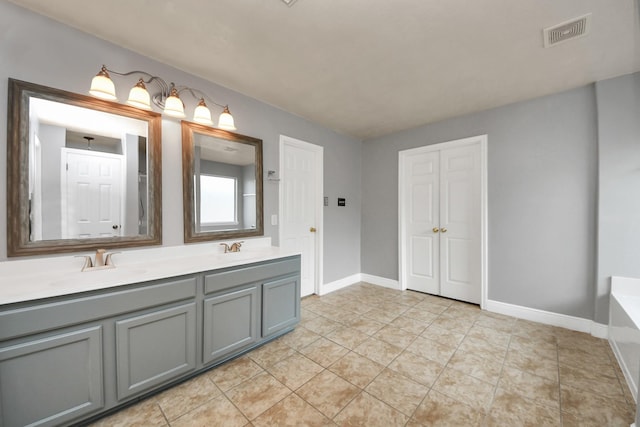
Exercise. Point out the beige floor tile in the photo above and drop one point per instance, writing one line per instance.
(306, 315)
(295, 370)
(270, 354)
(218, 412)
(454, 324)
(321, 325)
(366, 410)
(187, 396)
(395, 336)
(584, 360)
(397, 391)
(366, 325)
(490, 335)
(347, 337)
(535, 330)
(438, 300)
(143, 414)
(409, 298)
(356, 369)
(420, 314)
(300, 337)
(604, 383)
(408, 324)
(380, 315)
(540, 366)
(465, 388)
(432, 350)
(431, 307)
(292, 412)
(379, 351)
(417, 368)
(256, 396)
(591, 409)
(510, 409)
(443, 336)
(234, 372)
(328, 393)
(324, 352)
(484, 349)
(534, 347)
(539, 389)
(470, 364)
(503, 324)
(438, 410)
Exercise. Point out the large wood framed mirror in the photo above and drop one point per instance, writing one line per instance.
(222, 184)
(82, 173)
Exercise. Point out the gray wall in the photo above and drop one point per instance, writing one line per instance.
(619, 184)
(39, 50)
(542, 160)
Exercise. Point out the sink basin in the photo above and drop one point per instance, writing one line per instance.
(113, 275)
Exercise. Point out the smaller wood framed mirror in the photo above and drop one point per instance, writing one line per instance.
(222, 184)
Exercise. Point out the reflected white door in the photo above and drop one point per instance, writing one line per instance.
(301, 206)
(440, 211)
(91, 186)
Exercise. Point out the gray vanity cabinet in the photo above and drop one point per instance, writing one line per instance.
(52, 379)
(71, 358)
(280, 304)
(230, 322)
(155, 347)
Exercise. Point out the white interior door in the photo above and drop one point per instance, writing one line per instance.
(441, 219)
(421, 216)
(460, 249)
(301, 207)
(91, 185)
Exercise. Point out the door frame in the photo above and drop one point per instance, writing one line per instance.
(319, 156)
(402, 198)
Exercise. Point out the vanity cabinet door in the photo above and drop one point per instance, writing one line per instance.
(280, 305)
(230, 322)
(155, 347)
(52, 380)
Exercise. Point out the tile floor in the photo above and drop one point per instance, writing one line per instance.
(371, 356)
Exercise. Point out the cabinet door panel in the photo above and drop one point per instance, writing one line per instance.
(230, 322)
(52, 380)
(280, 305)
(155, 347)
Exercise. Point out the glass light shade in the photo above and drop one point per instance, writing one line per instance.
(139, 96)
(173, 105)
(226, 120)
(202, 114)
(102, 86)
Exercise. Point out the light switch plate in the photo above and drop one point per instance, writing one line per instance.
(274, 219)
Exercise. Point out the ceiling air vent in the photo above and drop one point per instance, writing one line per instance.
(572, 29)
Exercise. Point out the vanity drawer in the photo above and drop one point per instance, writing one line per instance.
(224, 279)
(39, 318)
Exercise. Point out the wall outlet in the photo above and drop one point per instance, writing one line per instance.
(274, 219)
(326, 201)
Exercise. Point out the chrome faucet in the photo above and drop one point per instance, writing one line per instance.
(234, 247)
(102, 260)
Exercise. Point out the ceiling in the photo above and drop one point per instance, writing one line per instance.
(368, 68)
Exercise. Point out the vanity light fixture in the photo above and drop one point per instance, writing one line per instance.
(168, 98)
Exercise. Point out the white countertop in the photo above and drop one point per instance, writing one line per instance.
(32, 279)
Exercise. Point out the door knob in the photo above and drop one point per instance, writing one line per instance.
(443, 230)
(436, 229)
(312, 229)
(115, 227)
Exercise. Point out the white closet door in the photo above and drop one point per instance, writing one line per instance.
(460, 227)
(440, 216)
(420, 217)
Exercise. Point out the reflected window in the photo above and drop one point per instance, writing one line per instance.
(218, 200)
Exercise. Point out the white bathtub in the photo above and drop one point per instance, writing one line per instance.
(624, 327)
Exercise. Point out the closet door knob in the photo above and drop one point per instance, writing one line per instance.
(436, 229)
(443, 230)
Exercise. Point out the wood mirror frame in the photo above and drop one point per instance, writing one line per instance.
(191, 234)
(19, 241)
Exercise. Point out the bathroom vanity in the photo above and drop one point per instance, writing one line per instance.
(77, 345)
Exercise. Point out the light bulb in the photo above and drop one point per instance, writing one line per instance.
(202, 114)
(226, 120)
(102, 86)
(139, 96)
(173, 105)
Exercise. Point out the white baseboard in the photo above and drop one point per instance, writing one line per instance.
(340, 283)
(549, 318)
(380, 281)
